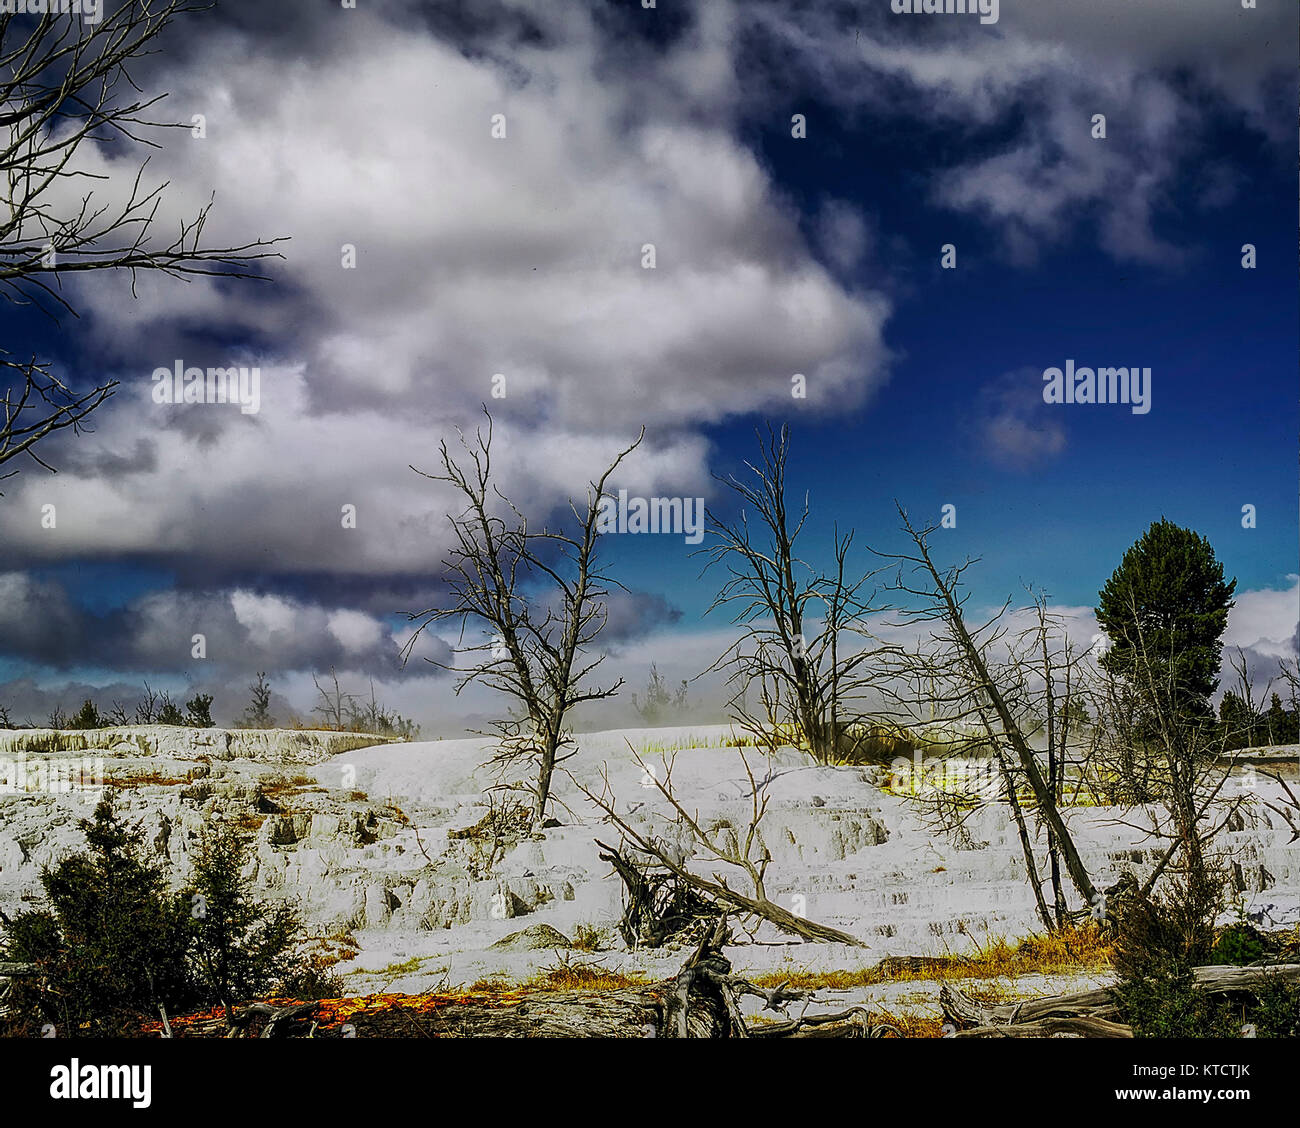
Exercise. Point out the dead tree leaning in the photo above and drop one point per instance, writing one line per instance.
(965, 658)
(749, 856)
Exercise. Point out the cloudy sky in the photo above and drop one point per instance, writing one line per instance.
(799, 168)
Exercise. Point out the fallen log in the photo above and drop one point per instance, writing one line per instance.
(628, 1013)
(717, 894)
(1051, 1028)
(1082, 1010)
(635, 1012)
(961, 1010)
(1222, 978)
(701, 1001)
(852, 1023)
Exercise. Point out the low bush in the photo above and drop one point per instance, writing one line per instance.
(115, 945)
(1159, 944)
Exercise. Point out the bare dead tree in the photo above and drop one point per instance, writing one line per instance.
(1244, 690)
(805, 647)
(1289, 670)
(146, 711)
(540, 596)
(1288, 807)
(66, 82)
(334, 706)
(1051, 706)
(973, 691)
(973, 768)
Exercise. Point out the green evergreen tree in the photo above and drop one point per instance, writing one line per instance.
(1164, 610)
(87, 717)
(242, 946)
(1279, 724)
(1236, 721)
(198, 711)
(258, 714)
(168, 712)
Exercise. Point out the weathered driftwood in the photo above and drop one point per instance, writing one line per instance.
(717, 894)
(1226, 977)
(630, 1013)
(1090, 1014)
(1051, 1027)
(960, 1010)
(658, 908)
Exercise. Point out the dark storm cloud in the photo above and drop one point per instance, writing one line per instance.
(242, 631)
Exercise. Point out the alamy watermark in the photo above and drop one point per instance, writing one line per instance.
(681, 516)
(1101, 385)
(92, 11)
(978, 777)
(987, 10)
(179, 384)
(50, 776)
(76, 1081)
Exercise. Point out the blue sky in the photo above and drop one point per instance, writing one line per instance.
(776, 255)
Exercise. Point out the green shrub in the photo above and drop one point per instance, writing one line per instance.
(312, 979)
(588, 938)
(168, 713)
(198, 711)
(113, 944)
(1239, 944)
(1164, 1003)
(241, 946)
(1157, 945)
(1277, 1014)
(87, 717)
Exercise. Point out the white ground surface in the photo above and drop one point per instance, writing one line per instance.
(361, 842)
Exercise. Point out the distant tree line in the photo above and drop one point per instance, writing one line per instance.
(337, 709)
(1247, 727)
(153, 709)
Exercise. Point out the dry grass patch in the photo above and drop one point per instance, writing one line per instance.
(584, 977)
(146, 779)
(273, 786)
(1086, 948)
(490, 985)
(910, 1025)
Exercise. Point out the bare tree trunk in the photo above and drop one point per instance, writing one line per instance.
(1026, 847)
(806, 679)
(984, 684)
(537, 652)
